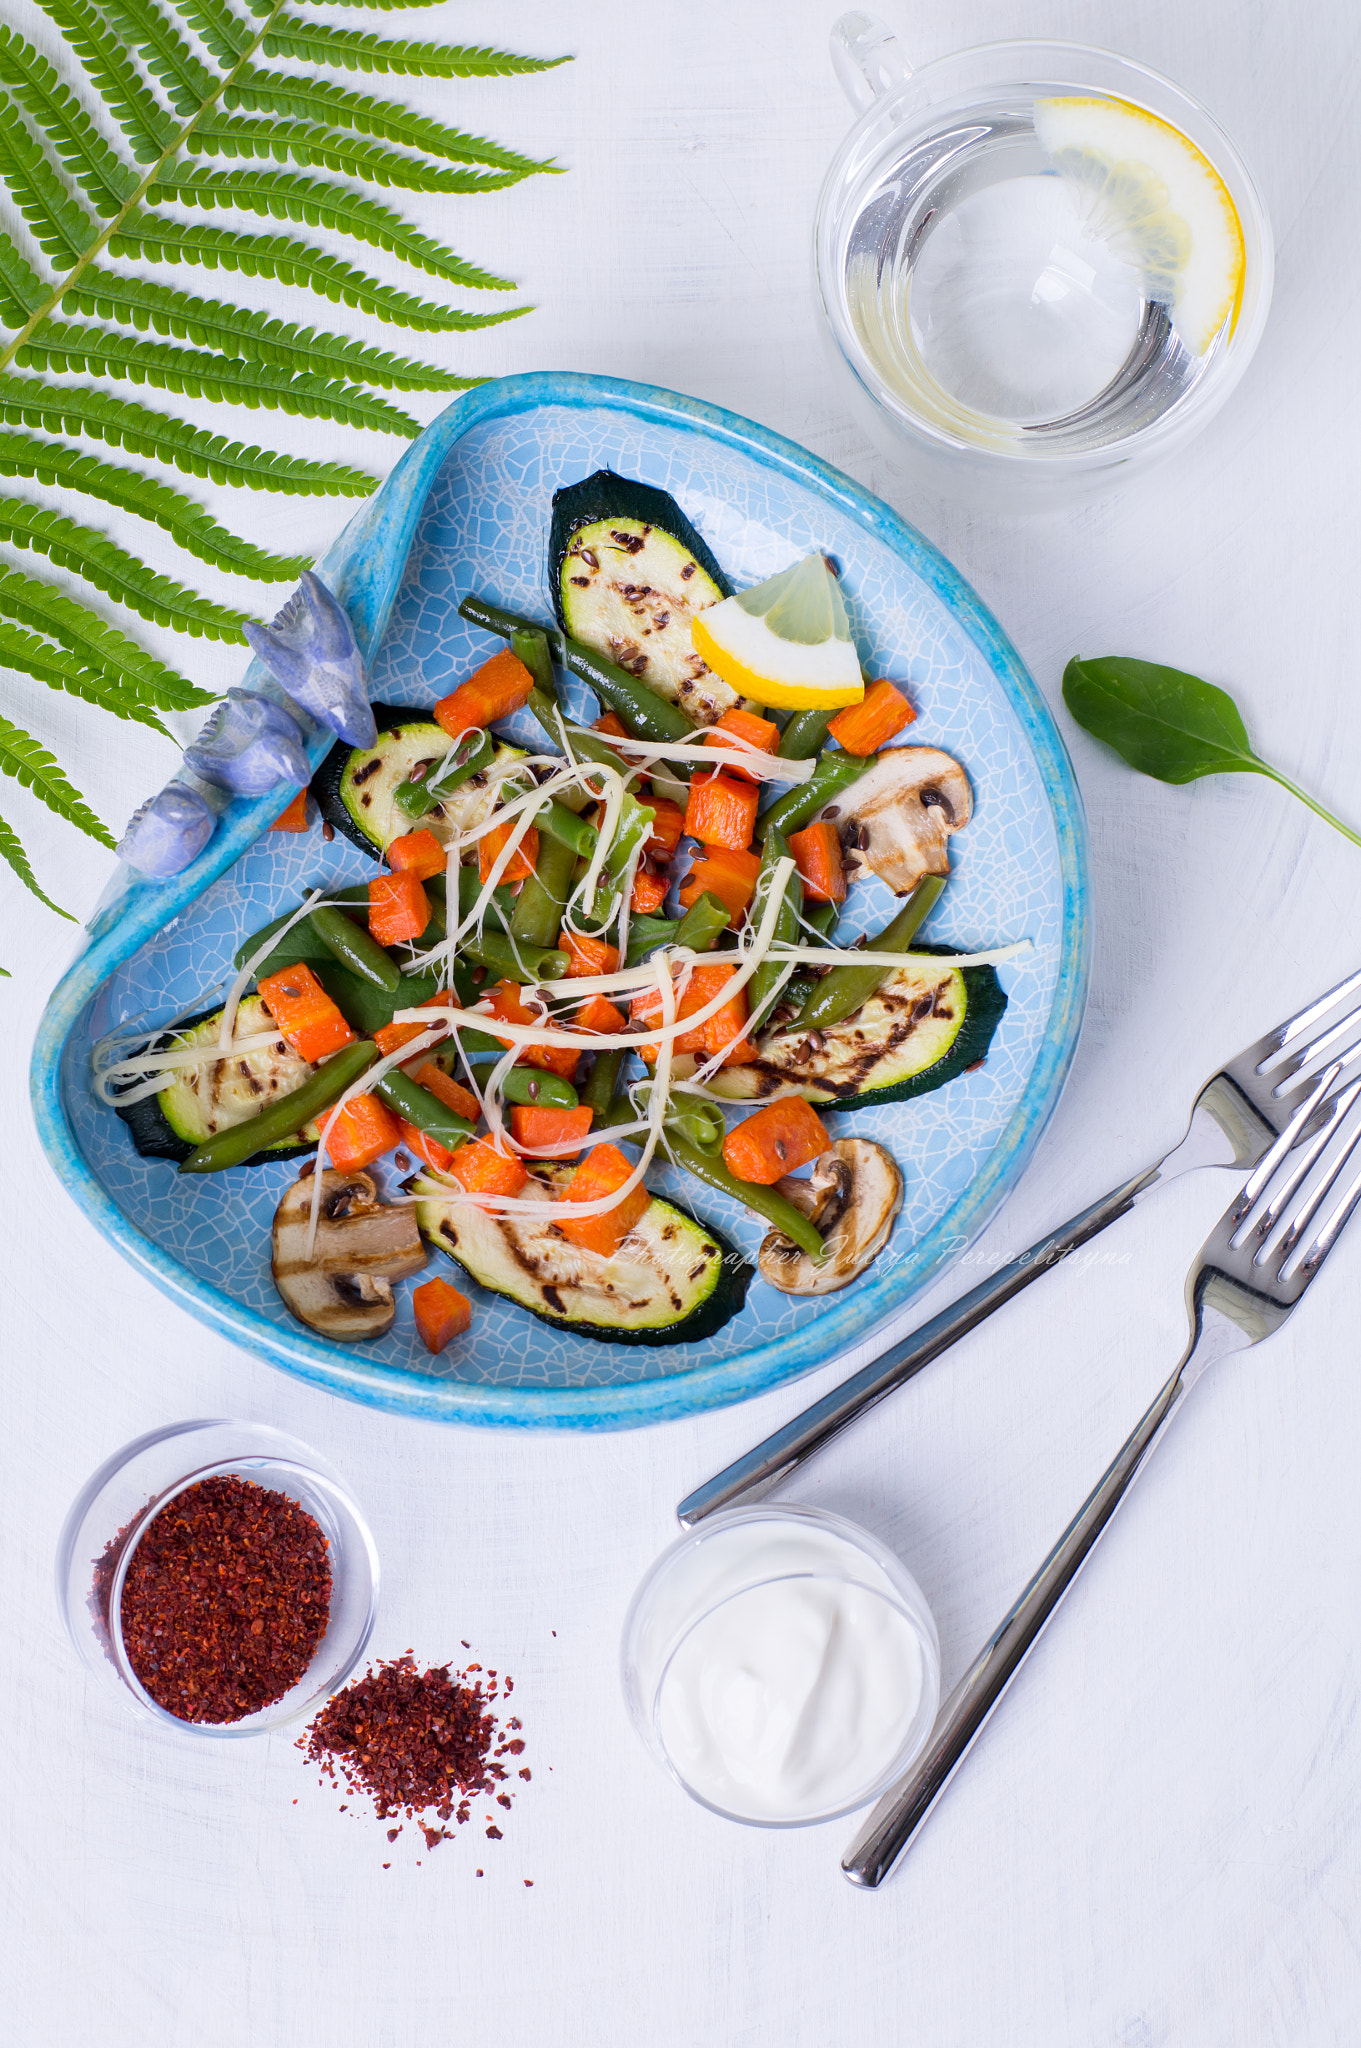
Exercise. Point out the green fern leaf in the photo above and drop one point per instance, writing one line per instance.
(22, 291)
(157, 240)
(283, 195)
(114, 76)
(104, 295)
(194, 373)
(60, 225)
(218, 29)
(317, 99)
(75, 408)
(32, 767)
(387, 5)
(233, 136)
(53, 462)
(63, 671)
(13, 852)
(119, 575)
(188, 83)
(99, 648)
(97, 168)
(350, 49)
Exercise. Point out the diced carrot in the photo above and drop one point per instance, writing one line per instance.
(744, 725)
(668, 823)
(424, 1146)
(729, 876)
(599, 1016)
(602, 1171)
(417, 853)
(392, 1037)
(535, 1128)
(364, 1130)
(398, 908)
(294, 819)
(442, 1313)
(499, 687)
(522, 861)
(865, 727)
(649, 892)
(451, 1093)
(777, 1140)
(307, 1018)
(587, 956)
(725, 1031)
(482, 1170)
(722, 812)
(817, 851)
(611, 724)
(552, 1059)
(724, 1028)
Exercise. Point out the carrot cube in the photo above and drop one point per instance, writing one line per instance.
(668, 823)
(294, 819)
(817, 850)
(611, 724)
(552, 1059)
(307, 1018)
(587, 956)
(761, 733)
(522, 862)
(499, 687)
(649, 892)
(721, 811)
(398, 908)
(482, 1170)
(451, 1093)
(729, 876)
(865, 727)
(423, 1145)
(417, 853)
(442, 1313)
(363, 1131)
(600, 1016)
(601, 1172)
(777, 1140)
(535, 1129)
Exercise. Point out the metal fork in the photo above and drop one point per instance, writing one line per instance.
(1237, 1115)
(1249, 1275)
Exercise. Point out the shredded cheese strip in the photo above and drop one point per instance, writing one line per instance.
(160, 1068)
(734, 751)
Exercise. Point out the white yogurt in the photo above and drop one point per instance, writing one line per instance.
(783, 1663)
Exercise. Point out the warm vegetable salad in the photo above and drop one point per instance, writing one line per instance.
(612, 947)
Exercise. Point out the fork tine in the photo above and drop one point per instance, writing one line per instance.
(1308, 1208)
(1305, 1019)
(1331, 1116)
(1332, 1229)
(1266, 1166)
(1349, 1027)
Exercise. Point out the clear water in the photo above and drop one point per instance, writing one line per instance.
(993, 309)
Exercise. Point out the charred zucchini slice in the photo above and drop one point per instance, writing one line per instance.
(629, 573)
(672, 1281)
(216, 1094)
(355, 787)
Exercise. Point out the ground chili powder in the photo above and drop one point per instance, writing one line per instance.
(225, 1601)
(415, 1740)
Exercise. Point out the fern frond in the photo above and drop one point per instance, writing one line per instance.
(59, 224)
(234, 136)
(387, 5)
(157, 240)
(52, 665)
(119, 575)
(194, 373)
(317, 99)
(53, 462)
(97, 647)
(212, 323)
(87, 158)
(32, 767)
(314, 202)
(22, 291)
(12, 851)
(351, 49)
(218, 29)
(77, 409)
(114, 76)
(187, 82)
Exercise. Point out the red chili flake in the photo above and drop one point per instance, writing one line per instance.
(529, 1884)
(494, 1835)
(225, 1600)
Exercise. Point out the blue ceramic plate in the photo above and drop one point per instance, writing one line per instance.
(467, 509)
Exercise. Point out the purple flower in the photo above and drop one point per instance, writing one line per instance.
(249, 745)
(311, 652)
(171, 829)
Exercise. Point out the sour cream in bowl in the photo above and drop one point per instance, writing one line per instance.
(782, 1665)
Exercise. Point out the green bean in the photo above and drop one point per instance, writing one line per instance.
(529, 644)
(767, 1202)
(558, 822)
(598, 1090)
(792, 811)
(764, 980)
(695, 1122)
(415, 797)
(534, 1089)
(647, 715)
(842, 992)
(419, 1107)
(353, 947)
(470, 888)
(509, 962)
(804, 735)
(240, 1142)
(822, 916)
(703, 924)
(494, 618)
(635, 823)
(542, 902)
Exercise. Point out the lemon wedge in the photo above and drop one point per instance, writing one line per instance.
(786, 641)
(1148, 191)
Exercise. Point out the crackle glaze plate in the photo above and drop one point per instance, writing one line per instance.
(467, 509)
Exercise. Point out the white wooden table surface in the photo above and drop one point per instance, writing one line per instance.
(1157, 1840)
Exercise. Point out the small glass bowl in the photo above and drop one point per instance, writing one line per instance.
(692, 1579)
(129, 1490)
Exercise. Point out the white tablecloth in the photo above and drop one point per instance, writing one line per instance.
(1156, 1840)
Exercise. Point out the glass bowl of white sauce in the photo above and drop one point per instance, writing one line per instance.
(782, 1665)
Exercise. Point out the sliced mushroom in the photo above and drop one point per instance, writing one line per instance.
(851, 1196)
(896, 821)
(343, 1290)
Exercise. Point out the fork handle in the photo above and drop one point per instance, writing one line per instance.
(759, 1471)
(904, 1807)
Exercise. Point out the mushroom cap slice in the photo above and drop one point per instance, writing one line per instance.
(852, 1195)
(896, 821)
(344, 1290)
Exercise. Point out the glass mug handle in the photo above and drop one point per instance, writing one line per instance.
(867, 59)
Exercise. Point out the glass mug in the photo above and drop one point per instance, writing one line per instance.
(1002, 272)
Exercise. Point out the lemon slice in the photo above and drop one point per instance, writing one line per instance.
(1149, 193)
(786, 641)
